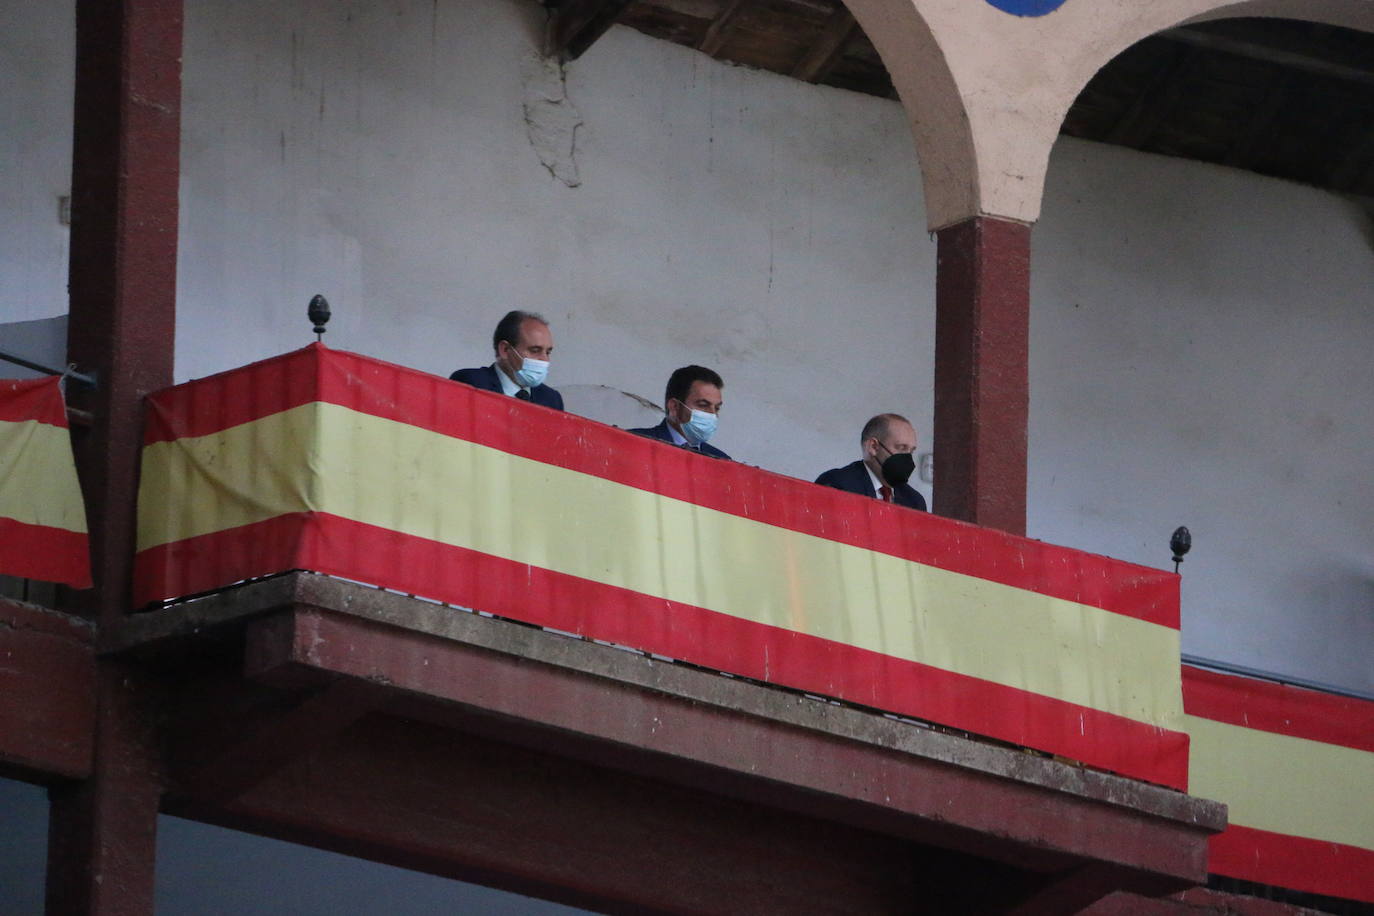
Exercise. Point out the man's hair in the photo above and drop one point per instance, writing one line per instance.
(508, 328)
(680, 382)
(877, 427)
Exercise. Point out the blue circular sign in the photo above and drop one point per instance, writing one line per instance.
(1027, 7)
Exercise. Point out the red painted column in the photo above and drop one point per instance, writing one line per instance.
(982, 301)
(125, 163)
(122, 281)
(102, 831)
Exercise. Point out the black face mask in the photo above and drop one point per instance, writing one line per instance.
(898, 468)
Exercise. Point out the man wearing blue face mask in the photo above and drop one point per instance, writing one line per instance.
(523, 347)
(888, 441)
(691, 403)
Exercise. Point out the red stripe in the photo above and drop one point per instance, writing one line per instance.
(1278, 708)
(43, 553)
(1314, 866)
(329, 544)
(33, 399)
(452, 409)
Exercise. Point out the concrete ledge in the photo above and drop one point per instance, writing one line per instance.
(203, 616)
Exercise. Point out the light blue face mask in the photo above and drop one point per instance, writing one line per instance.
(532, 372)
(700, 428)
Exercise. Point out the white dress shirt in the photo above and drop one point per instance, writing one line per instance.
(509, 386)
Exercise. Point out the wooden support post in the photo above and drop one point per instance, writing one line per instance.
(981, 372)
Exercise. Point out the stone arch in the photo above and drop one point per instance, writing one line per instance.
(986, 91)
(921, 74)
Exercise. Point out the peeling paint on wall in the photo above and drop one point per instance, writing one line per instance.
(551, 119)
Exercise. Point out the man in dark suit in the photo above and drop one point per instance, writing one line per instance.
(888, 442)
(691, 402)
(523, 346)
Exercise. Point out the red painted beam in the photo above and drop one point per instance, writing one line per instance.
(982, 308)
(432, 799)
(821, 775)
(47, 682)
(125, 163)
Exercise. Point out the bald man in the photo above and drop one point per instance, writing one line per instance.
(888, 442)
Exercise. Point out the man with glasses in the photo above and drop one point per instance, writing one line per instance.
(888, 441)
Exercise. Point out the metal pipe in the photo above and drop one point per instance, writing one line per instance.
(72, 374)
(1228, 668)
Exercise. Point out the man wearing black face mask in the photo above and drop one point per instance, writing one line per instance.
(888, 442)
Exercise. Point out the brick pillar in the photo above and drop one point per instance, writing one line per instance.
(122, 281)
(982, 297)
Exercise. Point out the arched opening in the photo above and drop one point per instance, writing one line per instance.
(1280, 97)
(1201, 323)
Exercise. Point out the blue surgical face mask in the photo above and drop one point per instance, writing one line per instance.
(532, 372)
(700, 428)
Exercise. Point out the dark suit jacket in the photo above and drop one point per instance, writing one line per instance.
(854, 479)
(661, 432)
(485, 377)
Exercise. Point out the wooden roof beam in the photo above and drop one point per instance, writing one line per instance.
(575, 26)
(1155, 101)
(1270, 53)
(720, 28)
(822, 56)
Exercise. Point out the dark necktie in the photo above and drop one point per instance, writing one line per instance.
(523, 394)
(885, 493)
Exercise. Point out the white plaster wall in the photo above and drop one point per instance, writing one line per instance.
(380, 154)
(36, 61)
(1200, 356)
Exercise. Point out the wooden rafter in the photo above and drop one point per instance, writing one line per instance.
(720, 28)
(1261, 120)
(1273, 54)
(822, 56)
(575, 25)
(1156, 101)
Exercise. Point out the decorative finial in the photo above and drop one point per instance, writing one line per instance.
(318, 313)
(1180, 544)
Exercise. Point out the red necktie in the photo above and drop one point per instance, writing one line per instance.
(885, 493)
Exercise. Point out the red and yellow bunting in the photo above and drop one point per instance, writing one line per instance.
(42, 518)
(335, 463)
(1296, 768)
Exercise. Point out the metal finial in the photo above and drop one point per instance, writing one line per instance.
(1180, 544)
(318, 313)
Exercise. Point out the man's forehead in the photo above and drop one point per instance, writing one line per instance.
(532, 329)
(897, 430)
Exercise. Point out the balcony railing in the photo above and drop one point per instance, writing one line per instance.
(327, 461)
(334, 463)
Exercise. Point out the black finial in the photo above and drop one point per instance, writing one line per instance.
(1180, 543)
(318, 313)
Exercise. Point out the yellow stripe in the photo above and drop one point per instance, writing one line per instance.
(1284, 784)
(38, 484)
(400, 477)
